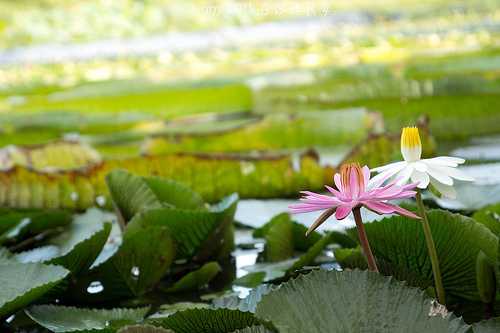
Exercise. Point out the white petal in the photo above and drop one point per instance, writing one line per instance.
(447, 191)
(393, 166)
(421, 177)
(439, 175)
(405, 173)
(422, 167)
(453, 173)
(445, 160)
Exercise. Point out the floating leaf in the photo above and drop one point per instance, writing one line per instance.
(143, 258)
(38, 254)
(143, 329)
(19, 225)
(487, 326)
(401, 241)
(254, 329)
(196, 279)
(197, 232)
(67, 319)
(250, 280)
(213, 176)
(130, 193)
(279, 238)
(354, 258)
(58, 154)
(358, 301)
(83, 254)
(208, 320)
(174, 194)
(248, 303)
(489, 217)
(24, 283)
(276, 131)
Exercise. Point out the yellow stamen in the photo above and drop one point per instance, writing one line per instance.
(411, 148)
(345, 175)
(410, 138)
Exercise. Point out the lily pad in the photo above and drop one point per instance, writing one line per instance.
(143, 329)
(24, 283)
(196, 279)
(208, 320)
(401, 240)
(84, 253)
(357, 301)
(199, 233)
(68, 319)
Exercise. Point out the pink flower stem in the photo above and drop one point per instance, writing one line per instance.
(432, 249)
(356, 211)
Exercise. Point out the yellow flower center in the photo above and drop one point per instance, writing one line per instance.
(411, 148)
(345, 177)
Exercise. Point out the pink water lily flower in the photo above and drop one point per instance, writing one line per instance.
(353, 194)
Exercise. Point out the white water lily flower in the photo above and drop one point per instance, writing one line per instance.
(439, 171)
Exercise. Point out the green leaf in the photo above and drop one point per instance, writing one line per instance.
(279, 238)
(143, 329)
(254, 329)
(351, 301)
(130, 193)
(196, 279)
(166, 310)
(84, 253)
(199, 233)
(312, 253)
(19, 225)
(354, 258)
(143, 258)
(208, 320)
(401, 241)
(248, 303)
(250, 280)
(489, 217)
(487, 326)
(67, 319)
(174, 194)
(38, 254)
(24, 283)
(275, 131)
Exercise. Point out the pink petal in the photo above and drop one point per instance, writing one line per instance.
(387, 208)
(342, 212)
(366, 175)
(315, 195)
(331, 202)
(379, 207)
(303, 209)
(378, 180)
(338, 183)
(404, 212)
(334, 191)
(404, 195)
(353, 185)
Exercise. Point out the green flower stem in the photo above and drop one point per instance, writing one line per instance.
(432, 249)
(364, 241)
